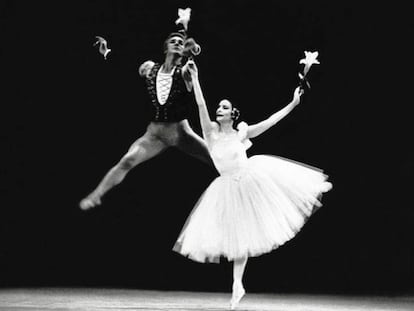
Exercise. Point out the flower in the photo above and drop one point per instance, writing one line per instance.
(309, 60)
(103, 48)
(183, 17)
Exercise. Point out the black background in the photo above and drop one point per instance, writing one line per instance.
(68, 115)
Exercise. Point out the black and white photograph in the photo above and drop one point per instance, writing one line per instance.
(206, 155)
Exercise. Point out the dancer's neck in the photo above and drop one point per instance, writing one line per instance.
(226, 128)
(171, 60)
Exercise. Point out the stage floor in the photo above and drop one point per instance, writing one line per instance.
(130, 299)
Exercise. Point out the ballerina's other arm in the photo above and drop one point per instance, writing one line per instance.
(258, 128)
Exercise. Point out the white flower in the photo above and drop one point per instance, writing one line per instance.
(103, 46)
(309, 60)
(183, 17)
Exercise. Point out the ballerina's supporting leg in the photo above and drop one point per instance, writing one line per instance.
(239, 265)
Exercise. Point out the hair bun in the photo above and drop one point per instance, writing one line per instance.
(235, 114)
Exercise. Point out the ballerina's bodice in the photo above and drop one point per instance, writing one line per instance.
(228, 153)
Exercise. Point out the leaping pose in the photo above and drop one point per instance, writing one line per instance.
(169, 87)
(256, 204)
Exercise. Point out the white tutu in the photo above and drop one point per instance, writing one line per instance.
(252, 208)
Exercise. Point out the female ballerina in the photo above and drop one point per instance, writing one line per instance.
(257, 203)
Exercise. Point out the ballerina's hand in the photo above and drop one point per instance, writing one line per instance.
(297, 94)
(192, 68)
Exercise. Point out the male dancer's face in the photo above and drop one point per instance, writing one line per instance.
(175, 45)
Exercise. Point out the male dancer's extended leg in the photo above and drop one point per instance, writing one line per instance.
(141, 150)
(194, 145)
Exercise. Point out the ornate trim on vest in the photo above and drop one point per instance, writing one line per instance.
(166, 112)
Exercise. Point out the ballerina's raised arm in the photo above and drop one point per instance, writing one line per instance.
(207, 125)
(258, 128)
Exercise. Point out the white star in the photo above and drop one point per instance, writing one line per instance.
(183, 17)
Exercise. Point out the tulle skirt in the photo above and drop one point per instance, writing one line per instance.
(252, 210)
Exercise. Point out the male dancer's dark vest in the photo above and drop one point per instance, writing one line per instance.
(176, 107)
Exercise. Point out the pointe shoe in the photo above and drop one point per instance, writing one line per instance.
(90, 201)
(238, 293)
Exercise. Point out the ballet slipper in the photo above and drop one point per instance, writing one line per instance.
(92, 200)
(238, 293)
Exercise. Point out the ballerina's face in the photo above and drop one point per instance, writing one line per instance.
(223, 112)
(175, 45)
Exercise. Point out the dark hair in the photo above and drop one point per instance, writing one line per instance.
(235, 113)
(177, 34)
(235, 116)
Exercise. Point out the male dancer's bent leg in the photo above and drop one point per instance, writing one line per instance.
(193, 145)
(141, 150)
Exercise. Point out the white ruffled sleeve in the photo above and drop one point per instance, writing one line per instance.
(145, 68)
(242, 127)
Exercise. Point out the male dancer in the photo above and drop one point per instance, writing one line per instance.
(169, 87)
